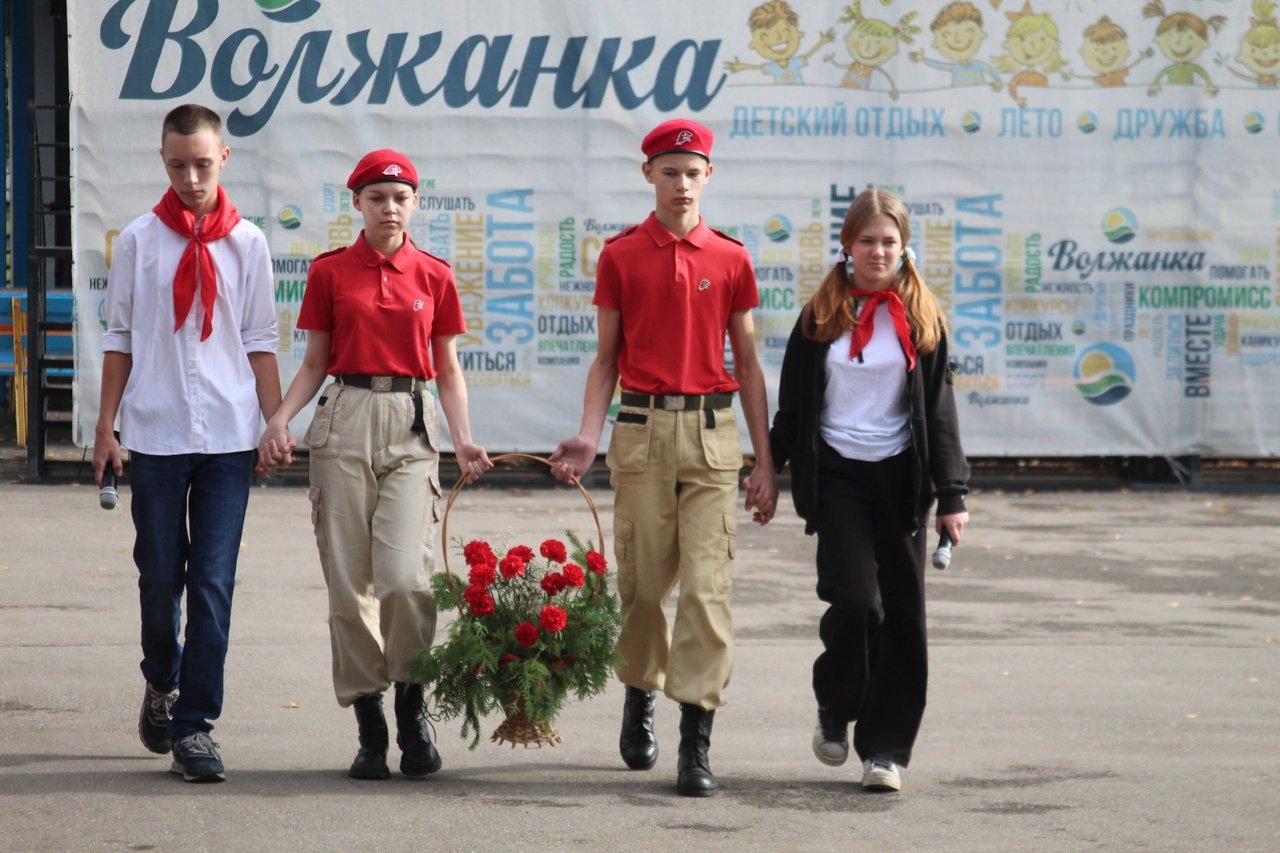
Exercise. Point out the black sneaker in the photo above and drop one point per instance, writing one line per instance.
(830, 739)
(196, 759)
(153, 719)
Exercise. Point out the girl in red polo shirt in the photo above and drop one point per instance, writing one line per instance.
(381, 316)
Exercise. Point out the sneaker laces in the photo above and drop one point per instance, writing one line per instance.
(160, 704)
(831, 730)
(198, 745)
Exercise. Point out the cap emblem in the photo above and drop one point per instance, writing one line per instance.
(684, 137)
(393, 170)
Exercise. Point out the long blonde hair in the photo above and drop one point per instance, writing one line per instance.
(830, 313)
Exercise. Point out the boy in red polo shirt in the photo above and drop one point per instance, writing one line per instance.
(381, 316)
(667, 292)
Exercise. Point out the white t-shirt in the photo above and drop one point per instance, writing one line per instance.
(865, 413)
(185, 395)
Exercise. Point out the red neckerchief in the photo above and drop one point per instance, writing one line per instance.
(861, 333)
(216, 225)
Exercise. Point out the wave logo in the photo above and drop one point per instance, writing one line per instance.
(1119, 225)
(777, 228)
(290, 217)
(971, 122)
(288, 11)
(1105, 374)
(102, 313)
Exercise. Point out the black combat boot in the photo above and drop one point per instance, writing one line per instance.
(637, 743)
(418, 757)
(371, 760)
(693, 770)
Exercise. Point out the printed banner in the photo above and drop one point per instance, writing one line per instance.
(1094, 186)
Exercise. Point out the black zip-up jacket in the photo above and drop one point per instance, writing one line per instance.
(935, 430)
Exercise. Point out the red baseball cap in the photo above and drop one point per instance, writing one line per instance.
(678, 135)
(383, 165)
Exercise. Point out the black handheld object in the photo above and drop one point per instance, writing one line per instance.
(942, 556)
(108, 497)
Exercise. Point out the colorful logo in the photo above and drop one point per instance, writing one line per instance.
(1087, 122)
(102, 313)
(1105, 374)
(1253, 122)
(290, 217)
(971, 122)
(1077, 327)
(288, 11)
(777, 228)
(1119, 225)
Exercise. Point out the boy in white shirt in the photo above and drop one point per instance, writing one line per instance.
(189, 363)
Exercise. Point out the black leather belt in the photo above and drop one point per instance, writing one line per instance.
(383, 383)
(678, 402)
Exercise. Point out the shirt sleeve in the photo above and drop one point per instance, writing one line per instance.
(448, 318)
(118, 336)
(258, 329)
(746, 295)
(316, 313)
(608, 293)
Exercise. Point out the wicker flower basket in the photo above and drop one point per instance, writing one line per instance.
(532, 628)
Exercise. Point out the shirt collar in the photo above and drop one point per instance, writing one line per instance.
(371, 257)
(662, 237)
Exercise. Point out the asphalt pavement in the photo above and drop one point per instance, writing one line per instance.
(1105, 675)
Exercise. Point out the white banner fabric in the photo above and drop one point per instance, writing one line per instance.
(1094, 185)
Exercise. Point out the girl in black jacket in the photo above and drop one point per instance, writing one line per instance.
(867, 418)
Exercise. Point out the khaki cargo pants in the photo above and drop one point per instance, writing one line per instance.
(675, 478)
(375, 494)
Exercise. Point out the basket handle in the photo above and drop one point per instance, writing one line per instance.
(457, 489)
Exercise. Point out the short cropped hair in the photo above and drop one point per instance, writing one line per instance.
(191, 118)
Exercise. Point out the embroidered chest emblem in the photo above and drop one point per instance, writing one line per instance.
(417, 305)
(704, 285)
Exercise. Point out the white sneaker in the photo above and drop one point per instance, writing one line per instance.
(830, 740)
(880, 774)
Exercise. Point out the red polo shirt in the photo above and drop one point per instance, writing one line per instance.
(676, 297)
(382, 312)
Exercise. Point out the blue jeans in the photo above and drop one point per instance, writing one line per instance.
(188, 512)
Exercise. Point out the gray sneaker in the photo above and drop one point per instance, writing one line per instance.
(153, 719)
(830, 739)
(196, 759)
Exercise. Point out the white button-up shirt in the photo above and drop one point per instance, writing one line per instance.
(185, 395)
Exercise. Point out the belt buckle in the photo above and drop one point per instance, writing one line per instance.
(673, 402)
(380, 383)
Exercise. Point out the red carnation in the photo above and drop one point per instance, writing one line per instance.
(573, 574)
(482, 574)
(595, 562)
(511, 566)
(526, 634)
(553, 618)
(478, 552)
(553, 583)
(479, 600)
(553, 549)
(507, 658)
(524, 552)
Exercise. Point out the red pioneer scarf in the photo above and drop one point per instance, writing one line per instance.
(216, 225)
(861, 334)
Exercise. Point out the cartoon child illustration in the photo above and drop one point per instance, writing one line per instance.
(775, 35)
(1182, 37)
(1260, 47)
(1031, 44)
(871, 43)
(1105, 48)
(958, 35)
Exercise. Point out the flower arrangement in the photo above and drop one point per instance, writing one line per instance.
(532, 628)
